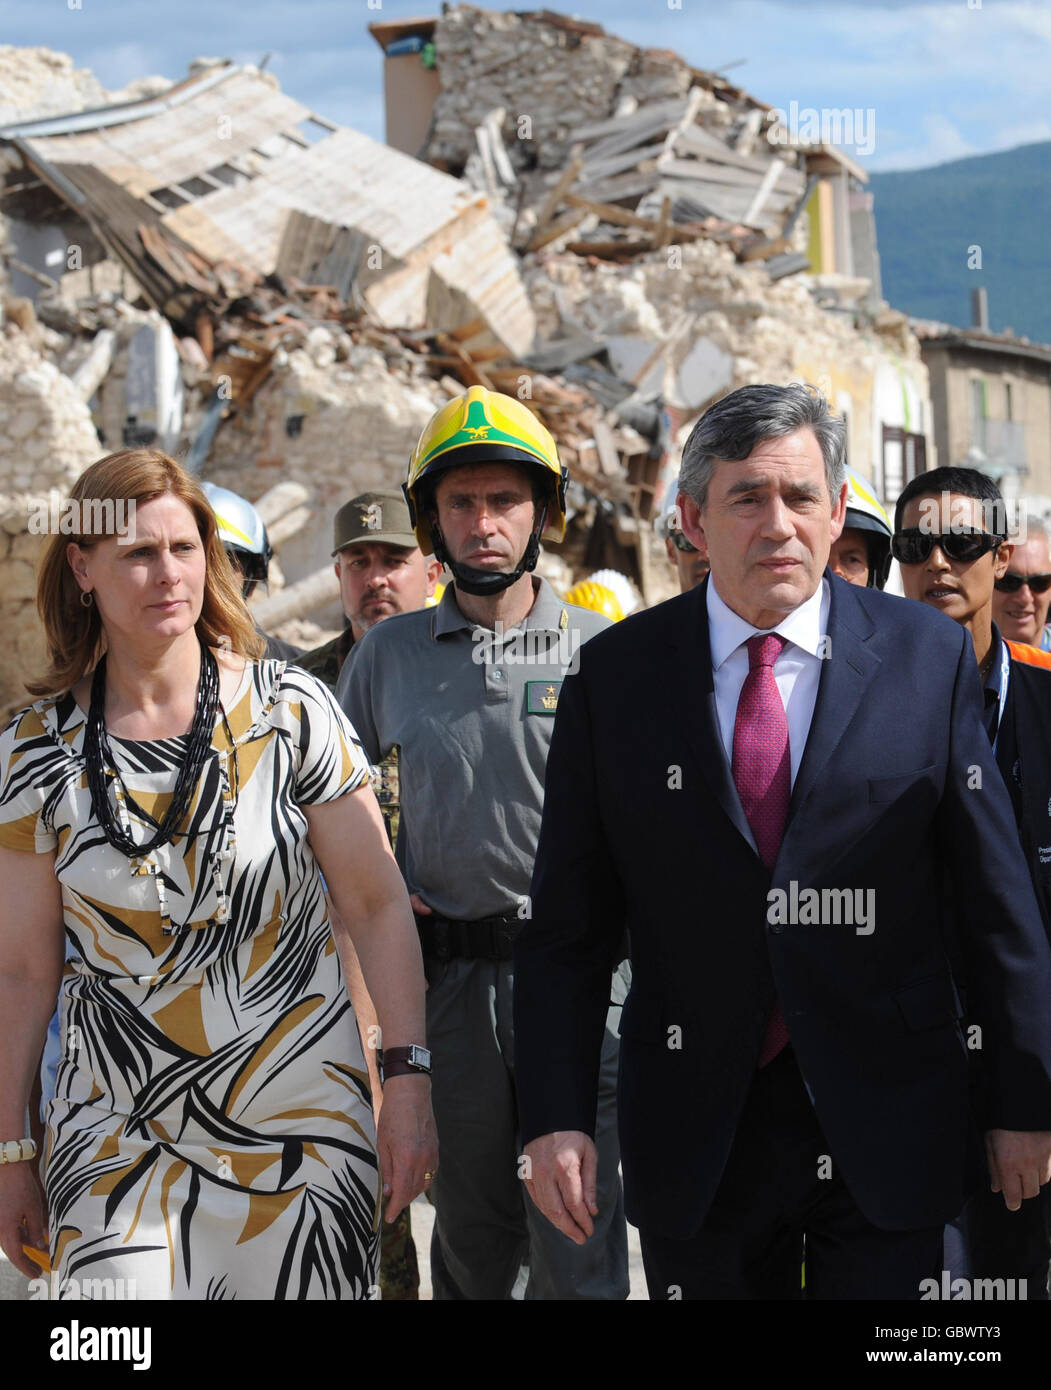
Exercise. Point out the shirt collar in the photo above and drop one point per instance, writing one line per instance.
(548, 613)
(805, 626)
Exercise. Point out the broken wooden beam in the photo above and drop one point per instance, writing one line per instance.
(553, 230)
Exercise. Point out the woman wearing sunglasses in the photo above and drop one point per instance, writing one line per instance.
(950, 561)
(1023, 596)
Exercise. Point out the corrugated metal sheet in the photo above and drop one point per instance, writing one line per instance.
(225, 120)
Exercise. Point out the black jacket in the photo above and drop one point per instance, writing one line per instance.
(643, 828)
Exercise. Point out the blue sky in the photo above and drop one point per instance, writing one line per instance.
(943, 78)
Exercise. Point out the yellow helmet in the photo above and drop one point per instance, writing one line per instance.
(588, 594)
(483, 427)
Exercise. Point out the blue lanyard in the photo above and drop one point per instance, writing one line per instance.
(1005, 676)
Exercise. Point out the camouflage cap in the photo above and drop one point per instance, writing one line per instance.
(374, 516)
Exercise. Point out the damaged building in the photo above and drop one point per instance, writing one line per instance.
(612, 235)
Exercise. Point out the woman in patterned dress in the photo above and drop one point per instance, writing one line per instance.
(211, 1132)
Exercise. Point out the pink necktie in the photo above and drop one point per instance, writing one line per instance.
(762, 771)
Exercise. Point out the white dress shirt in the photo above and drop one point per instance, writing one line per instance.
(797, 670)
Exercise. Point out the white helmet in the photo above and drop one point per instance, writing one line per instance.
(619, 586)
(667, 519)
(242, 534)
(865, 514)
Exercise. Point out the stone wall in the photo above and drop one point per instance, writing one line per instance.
(46, 440)
(336, 427)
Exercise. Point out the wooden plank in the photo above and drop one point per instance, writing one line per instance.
(504, 167)
(704, 171)
(472, 375)
(697, 141)
(622, 187)
(608, 458)
(762, 193)
(594, 129)
(485, 154)
(610, 250)
(468, 330)
(662, 237)
(762, 248)
(551, 203)
(619, 163)
(609, 212)
(641, 127)
(558, 228)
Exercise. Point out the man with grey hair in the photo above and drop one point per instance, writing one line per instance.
(792, 1064)
(1022, 596)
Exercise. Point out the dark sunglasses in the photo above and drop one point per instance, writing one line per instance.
(680, 542)
(1011, 583)
(914, 546)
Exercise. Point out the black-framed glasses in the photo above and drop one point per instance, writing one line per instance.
(913, 546)
(1011, 582)
(680, 542)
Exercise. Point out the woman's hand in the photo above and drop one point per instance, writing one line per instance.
(406, 1141)
(22, 1219)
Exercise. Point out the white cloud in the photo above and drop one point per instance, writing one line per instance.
(940, 142)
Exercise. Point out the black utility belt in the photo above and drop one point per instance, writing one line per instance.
(486, 938)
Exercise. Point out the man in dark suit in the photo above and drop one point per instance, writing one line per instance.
(792, 1062)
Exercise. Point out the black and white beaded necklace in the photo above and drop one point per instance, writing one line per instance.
(100, 760)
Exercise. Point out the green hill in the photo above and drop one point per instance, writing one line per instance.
(926, 219)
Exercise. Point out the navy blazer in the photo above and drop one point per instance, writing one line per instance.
(897, 793)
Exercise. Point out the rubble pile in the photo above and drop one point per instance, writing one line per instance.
(605, 232)
(47, 428)
(607, 148)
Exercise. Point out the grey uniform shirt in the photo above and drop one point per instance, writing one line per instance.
(471, 711)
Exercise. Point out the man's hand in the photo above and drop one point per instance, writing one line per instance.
(406, 1141)
(1019, 1163)
(561, 1177)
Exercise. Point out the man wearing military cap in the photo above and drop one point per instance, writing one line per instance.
(381, 571)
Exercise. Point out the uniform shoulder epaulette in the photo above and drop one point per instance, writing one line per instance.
(1030, 656)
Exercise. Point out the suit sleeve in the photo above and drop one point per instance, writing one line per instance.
(565, 951)
(354, 695)
(1007, 957)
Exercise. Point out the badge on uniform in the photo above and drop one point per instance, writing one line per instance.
(542, 696)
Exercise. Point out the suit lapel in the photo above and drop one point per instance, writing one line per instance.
(845, 676)
(701, 720)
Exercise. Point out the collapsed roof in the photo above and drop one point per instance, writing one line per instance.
(191, 191)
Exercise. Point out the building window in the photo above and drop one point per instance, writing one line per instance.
(904, 456)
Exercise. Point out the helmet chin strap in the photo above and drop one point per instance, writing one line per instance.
(483, 583)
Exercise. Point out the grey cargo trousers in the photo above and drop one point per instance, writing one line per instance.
(489, 1240)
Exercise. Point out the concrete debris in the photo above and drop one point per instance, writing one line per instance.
(603, 231)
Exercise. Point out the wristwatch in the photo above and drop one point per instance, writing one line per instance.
(404, 1061)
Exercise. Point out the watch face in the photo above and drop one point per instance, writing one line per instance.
(419, 1056)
